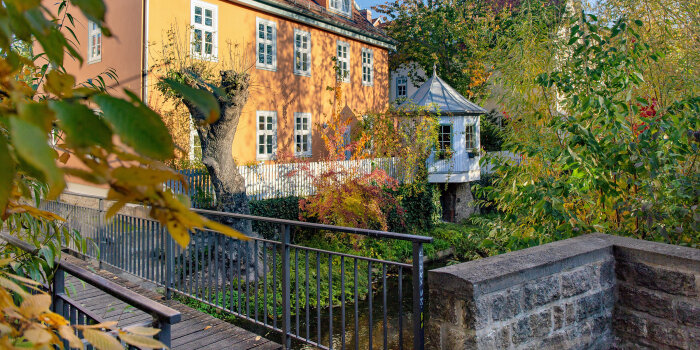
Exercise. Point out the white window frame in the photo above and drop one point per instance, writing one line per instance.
(473, 139)
(340, 60)
(300, 51)
(402, 80)
(266, 132)
(445, 145)
(367, 67)
(300, 133)
(343, 7)
(265, 41)
(202, 27)
(94, 31)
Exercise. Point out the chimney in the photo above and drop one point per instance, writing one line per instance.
(367, 14)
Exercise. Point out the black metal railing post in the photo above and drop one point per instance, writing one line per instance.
(101, 224)
(59, 287)
(169, 266)
(286, 308)
(164, 336)
(418, 280)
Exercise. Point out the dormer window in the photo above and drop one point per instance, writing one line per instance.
(341, 6)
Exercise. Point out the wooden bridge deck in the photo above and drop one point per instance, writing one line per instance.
(196, 330)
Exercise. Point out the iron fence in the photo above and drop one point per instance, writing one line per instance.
(321, 297)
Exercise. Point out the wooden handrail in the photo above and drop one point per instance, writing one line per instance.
(155, 309)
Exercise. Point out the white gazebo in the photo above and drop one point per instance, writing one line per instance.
(456, 162)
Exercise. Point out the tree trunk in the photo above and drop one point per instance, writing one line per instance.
(217, 141)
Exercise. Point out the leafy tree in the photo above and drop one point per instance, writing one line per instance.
(214, 95)
(122, 147)
(609, 158)
(451, 35)
(671, 28)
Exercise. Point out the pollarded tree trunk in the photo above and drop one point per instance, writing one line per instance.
(217, 140)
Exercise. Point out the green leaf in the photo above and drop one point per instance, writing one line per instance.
(137, 126)
(204, 100)
(7, 173)
(82, 127)
(93, 9)
(31, 146)
(53, 44)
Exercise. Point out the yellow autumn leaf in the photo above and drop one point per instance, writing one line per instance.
(53, 319)
(141, 341)
(144, 176)
(103, 325)
(115, 208)
(145, 331)
(226, 230)
(37, 213)
(23, 279)
(7, 284)
(68, 333)
(101, 340)
(5, 329)
(37, 335)
(35, 305)
(178, 232)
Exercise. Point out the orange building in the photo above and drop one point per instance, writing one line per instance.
(288, 44)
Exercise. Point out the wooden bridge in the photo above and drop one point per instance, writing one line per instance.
(195, 330)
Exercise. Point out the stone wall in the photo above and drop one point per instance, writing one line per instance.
(590, 292)
(658, 296)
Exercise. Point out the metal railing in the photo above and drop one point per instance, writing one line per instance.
(163, 316)
(320, 297)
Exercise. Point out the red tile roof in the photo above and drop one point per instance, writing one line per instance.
(357, 22)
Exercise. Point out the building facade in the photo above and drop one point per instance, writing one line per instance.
(287, 46)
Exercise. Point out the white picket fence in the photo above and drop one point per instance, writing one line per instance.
(267, 181)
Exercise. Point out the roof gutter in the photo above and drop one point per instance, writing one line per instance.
(311, 19)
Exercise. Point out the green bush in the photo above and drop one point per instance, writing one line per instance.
(421, 203)
(280, 208)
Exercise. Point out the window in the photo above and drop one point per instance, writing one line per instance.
(342, 6)
(302, 52)
(470, 137)
(266, 43)
(344, 61)
(367, 67)
(94, 42)
(266, 134)
(401, 86)
(445, 141)
(302, 134)
(195, 144)
(204, 24)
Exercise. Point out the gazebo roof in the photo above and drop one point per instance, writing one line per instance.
(437, 95)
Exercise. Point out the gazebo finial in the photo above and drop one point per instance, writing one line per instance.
(434, 69)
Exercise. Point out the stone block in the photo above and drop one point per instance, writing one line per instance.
(667, 333)
(503, 338)
(521, 331)
(589, 305)
(663, 279)
(693, 338)
(652, 303)
(541, 323)
(688, 314)
(576, 282)
(628, 322)
(541, 292)
(555, 341)
(506, 304)
(477, 313)
(570, 313)
(558, 317)
(451, 310)
(607, 273)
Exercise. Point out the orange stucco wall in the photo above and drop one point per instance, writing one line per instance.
(281, 90)
(121, 52)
